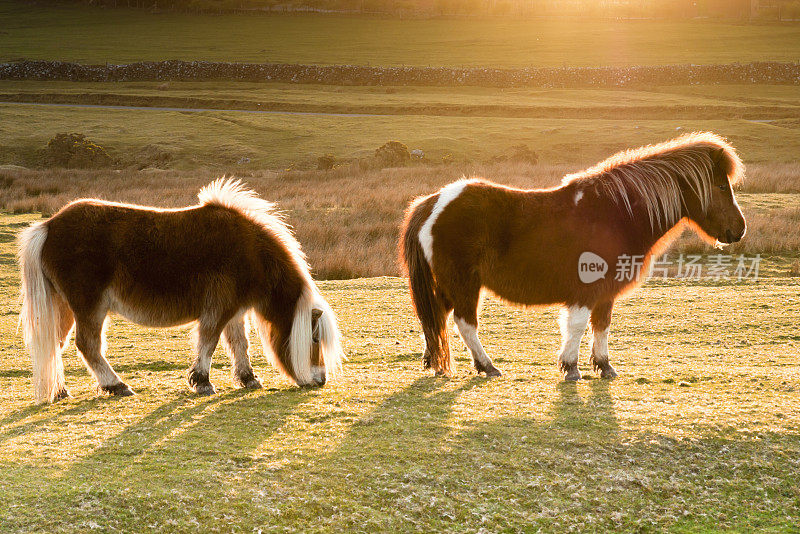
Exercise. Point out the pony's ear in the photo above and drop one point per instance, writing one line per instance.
(316, 313)
(717, 155)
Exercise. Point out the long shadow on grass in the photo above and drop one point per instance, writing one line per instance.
(54, 413)
(414, 418)
(412, 458)
(407, 432)
(595, 414)
(189, 444)
(578, 470)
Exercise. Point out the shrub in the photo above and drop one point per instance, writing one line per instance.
(518, 154)
(326, 162)
(392, 154)
(523, 154)
(74, 150)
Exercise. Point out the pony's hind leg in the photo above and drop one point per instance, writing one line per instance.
(89, 341)
(465, 314)
(234, 338)
(207, 337)
(573, 324)
(468, 329)
(66, 322)
(601, 321)
(437, 348)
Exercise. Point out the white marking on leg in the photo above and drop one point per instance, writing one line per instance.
(578, 196)
(446, 195)
(600, 345)
(469, 334)
(573, 323)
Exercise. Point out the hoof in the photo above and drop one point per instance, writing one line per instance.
(490, 370)
(571, 372)
(204, 389)
(605, 369)
(608, 373)
(255, 383)
(118, 390)
(249, 382)
(493, 372)
(573, 376)
(63, 394)
(199, 383)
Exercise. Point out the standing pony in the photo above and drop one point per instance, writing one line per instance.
(229, 259)
(526, 246)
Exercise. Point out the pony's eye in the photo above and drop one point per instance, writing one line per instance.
(723, 187)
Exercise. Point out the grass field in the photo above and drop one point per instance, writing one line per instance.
(47, 32)
(562, 126)
(700, 433)
(753, 102)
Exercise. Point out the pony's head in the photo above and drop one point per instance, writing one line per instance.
(713, 209)
(306, 347)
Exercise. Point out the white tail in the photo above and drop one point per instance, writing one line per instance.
(40, 317)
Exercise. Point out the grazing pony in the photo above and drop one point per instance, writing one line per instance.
(227, 262)
(528, 246)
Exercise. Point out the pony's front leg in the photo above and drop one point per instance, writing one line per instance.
(234, 338)
(573, 324)
(89, 341)
(601, 321)
(207, 339)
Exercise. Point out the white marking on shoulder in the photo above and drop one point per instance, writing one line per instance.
(446, 195)
(578, 196)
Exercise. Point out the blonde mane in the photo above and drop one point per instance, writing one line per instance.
(231, 193)
(652, 174)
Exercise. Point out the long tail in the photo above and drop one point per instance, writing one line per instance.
(428, 305)
(40, 317)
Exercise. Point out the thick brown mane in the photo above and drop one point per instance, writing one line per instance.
(653, 173)
(233, 194)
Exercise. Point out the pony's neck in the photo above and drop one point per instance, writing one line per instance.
(657, 238)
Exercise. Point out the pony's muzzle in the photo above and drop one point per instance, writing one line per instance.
(731, 237)
(319, 376)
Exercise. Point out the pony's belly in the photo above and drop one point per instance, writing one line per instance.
(153, 314)
(525, 290)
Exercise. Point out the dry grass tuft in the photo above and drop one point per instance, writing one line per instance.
(773, 178)
(347, 218)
